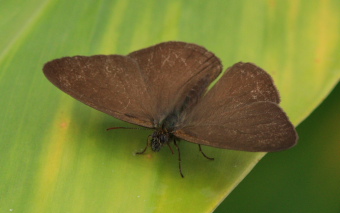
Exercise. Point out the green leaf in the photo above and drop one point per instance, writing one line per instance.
(55, 155)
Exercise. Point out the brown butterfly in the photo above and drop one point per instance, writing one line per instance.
(165, 88)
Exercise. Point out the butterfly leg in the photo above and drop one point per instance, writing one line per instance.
(203, 153)
(179, 159)
(147, 145)
(172, 151)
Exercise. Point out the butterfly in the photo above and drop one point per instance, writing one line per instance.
(165, 88)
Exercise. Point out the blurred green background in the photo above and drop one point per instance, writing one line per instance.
(55, 155)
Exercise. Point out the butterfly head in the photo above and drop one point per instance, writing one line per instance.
(159, 138)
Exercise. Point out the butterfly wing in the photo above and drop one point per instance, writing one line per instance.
(171, 70)
(141, 88)
(112, 84)
(240, 112)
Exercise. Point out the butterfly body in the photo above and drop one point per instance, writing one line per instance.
(163, 135)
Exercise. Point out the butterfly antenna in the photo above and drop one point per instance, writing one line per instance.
(125, 128)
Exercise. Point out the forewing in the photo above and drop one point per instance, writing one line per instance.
(171, 70)
(240, 112)
(112, 84)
